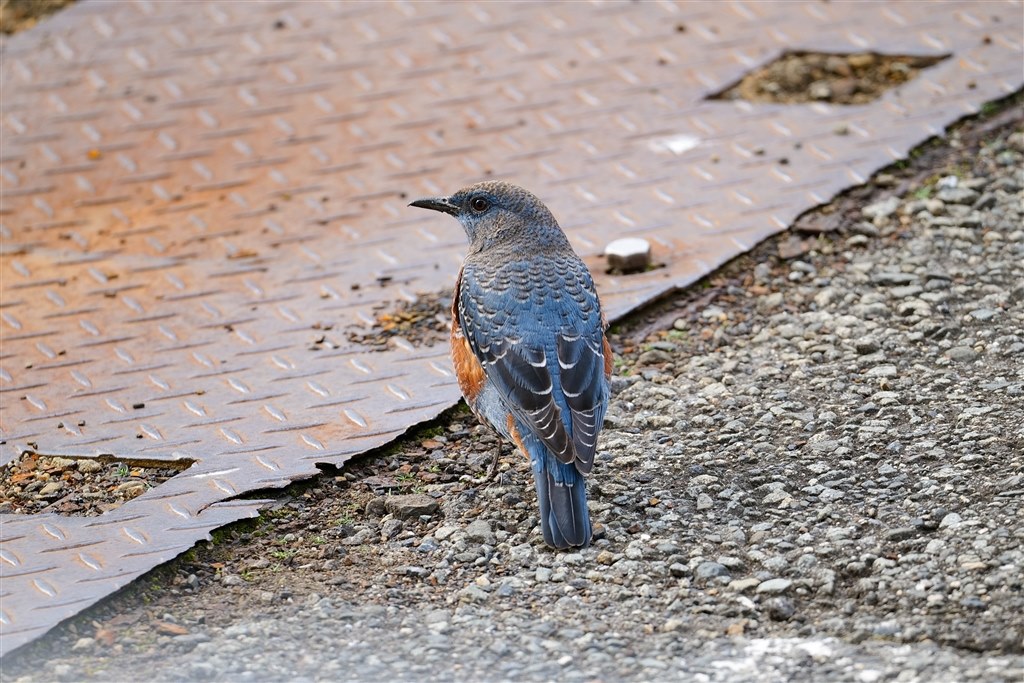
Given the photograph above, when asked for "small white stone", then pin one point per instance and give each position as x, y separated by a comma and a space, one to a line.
951, 521
89, 466
83, 644
774, 586
628, 254
51, 488
741, 585
882, 371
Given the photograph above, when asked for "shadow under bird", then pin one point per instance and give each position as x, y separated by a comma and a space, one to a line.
528, 345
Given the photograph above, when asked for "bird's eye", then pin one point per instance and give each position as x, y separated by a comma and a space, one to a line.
479, 204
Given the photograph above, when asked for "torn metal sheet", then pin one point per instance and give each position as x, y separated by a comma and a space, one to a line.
193, 193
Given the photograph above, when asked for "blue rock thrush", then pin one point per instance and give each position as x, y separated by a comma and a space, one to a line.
528, 345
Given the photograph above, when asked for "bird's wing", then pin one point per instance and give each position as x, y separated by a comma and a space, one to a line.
537, 332
584, 384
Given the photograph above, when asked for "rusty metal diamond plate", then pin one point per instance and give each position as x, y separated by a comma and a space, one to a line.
191, 192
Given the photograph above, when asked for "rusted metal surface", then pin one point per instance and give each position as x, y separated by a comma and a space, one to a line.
193, 194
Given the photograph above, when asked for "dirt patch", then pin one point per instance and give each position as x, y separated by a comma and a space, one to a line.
18, 15
424, 322
83, 487
856, 78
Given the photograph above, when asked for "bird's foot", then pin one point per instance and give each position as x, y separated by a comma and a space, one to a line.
493, 474
492, 471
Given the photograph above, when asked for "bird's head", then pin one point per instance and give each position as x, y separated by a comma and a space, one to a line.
497, 213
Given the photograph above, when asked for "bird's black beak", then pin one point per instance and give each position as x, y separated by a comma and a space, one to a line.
442, 204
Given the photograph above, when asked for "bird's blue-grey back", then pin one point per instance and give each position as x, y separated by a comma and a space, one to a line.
535, 323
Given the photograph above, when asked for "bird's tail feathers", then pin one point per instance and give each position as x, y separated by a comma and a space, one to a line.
562, 498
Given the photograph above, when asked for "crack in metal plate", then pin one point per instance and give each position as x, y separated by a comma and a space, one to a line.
190, 191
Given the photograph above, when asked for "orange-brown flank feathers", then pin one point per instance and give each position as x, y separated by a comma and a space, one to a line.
609, 362
467, 367
510, 422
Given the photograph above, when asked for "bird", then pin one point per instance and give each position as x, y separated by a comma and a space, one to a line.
528, 344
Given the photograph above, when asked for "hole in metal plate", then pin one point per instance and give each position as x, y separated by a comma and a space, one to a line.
852, 78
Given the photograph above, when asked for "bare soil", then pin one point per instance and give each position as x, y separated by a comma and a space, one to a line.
856, 78
83, 487
18, 15
423, 322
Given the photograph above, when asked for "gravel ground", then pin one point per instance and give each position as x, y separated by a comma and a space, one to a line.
812, 469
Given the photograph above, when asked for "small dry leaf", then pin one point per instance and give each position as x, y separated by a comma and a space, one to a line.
736, 628
169, 629
105, 636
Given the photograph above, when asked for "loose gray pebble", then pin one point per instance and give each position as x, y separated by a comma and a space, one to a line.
708, 570
479, 531
679, 570
882, 209
83, 644
950, 521
901, 534
893, 278
774, 586
411, 505
985, 201
962, 353
202, 671
781, 609
957, 195
741, 585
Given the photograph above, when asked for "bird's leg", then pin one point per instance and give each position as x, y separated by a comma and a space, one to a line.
492, 472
